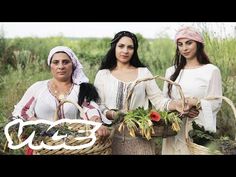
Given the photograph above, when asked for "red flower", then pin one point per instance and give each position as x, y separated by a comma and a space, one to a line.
28, 151
155, 116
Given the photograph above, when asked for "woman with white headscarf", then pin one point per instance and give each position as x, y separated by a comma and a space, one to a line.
41, 99
198, 79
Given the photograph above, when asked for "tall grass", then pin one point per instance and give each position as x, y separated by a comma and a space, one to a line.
15, 84
23, 62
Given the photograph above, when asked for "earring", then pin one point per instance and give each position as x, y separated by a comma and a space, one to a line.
179, 56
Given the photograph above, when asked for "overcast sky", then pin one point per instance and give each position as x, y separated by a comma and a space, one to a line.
108, 29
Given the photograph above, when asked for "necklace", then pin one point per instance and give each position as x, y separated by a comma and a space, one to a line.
60, 92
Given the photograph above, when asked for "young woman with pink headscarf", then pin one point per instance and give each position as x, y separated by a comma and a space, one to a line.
199, 79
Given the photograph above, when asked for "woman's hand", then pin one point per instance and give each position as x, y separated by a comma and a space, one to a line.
193, 102
190, 109
103, 130
193, 112
111, 114
177, 105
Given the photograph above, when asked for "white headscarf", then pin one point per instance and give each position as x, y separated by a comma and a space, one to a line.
78, 76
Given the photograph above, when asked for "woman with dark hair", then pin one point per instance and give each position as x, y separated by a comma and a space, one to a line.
198, 79
120, 68
69, 82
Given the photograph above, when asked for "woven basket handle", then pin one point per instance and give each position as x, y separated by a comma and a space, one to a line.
227, 100
151, 78
82, 114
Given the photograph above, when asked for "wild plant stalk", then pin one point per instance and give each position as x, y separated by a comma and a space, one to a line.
157, 54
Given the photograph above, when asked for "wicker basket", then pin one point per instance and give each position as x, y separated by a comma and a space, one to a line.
160, 130
102, 145
196, 149
163, 131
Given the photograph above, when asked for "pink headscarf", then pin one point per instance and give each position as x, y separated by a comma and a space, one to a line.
78, 76
189, 33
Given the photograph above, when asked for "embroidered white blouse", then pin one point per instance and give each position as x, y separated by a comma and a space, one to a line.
200, 82
113, 92
39, 102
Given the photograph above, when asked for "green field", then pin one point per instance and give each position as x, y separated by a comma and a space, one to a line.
23, 62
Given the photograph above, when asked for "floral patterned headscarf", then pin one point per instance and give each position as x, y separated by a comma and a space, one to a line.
189, 33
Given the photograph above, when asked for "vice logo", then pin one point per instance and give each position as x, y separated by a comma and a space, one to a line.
53, 132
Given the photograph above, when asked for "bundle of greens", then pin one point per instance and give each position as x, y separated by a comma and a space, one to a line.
201, 136
211, 140
143, 121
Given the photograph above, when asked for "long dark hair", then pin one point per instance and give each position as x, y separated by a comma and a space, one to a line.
87, 92
180, 62
109, 61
